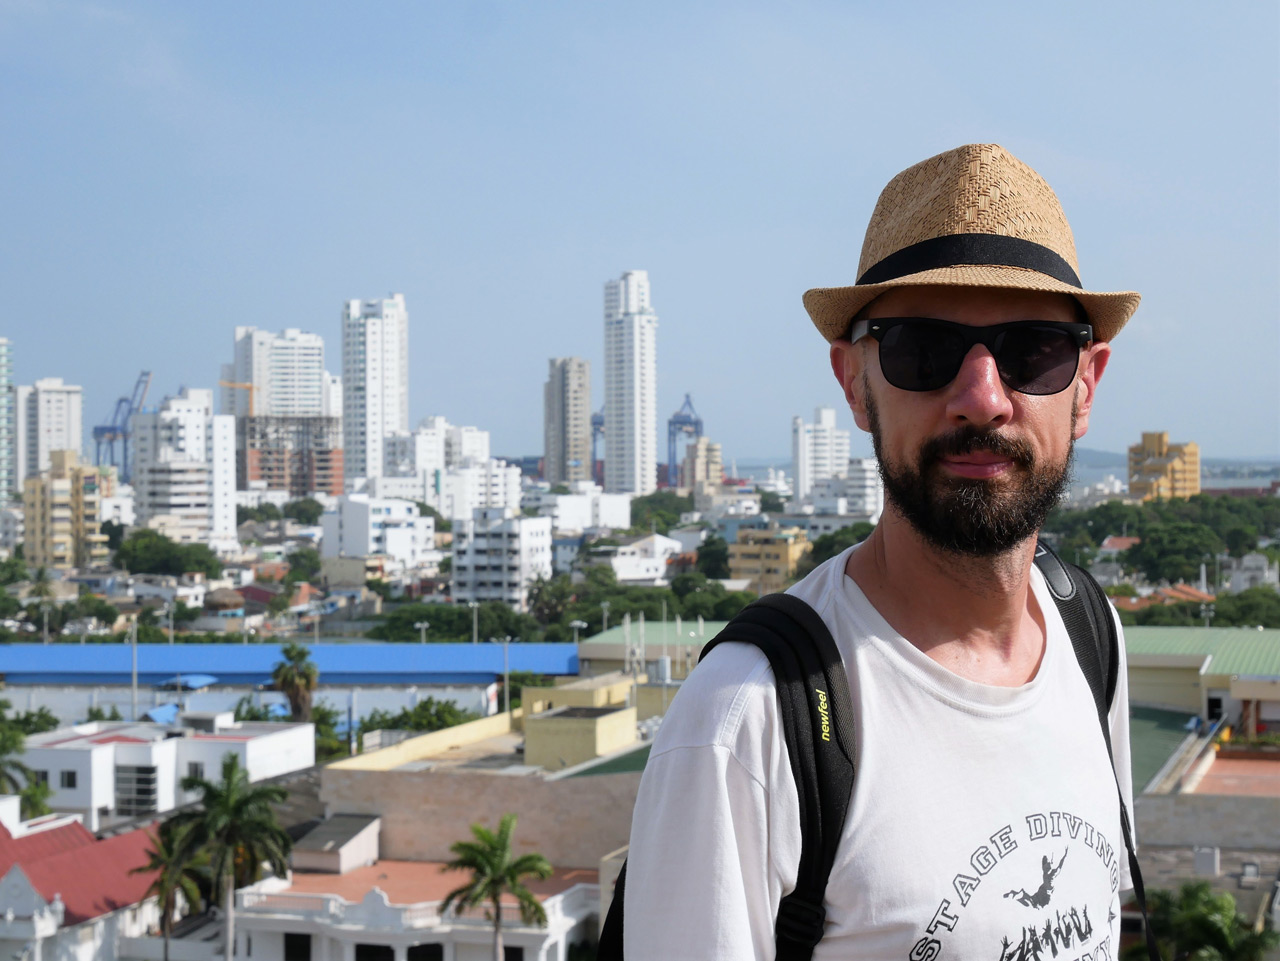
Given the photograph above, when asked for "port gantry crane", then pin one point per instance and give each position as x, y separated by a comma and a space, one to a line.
105, 436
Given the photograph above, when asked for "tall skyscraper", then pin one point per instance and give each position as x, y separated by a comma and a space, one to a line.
286, 371
566, 419
630, 385
375, 380
48, 417
818, 451
10, 479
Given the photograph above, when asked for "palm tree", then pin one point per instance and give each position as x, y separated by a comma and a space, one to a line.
296, 677
42, 590
238, 828
174, 873
1195, 923
12, 743
494, 873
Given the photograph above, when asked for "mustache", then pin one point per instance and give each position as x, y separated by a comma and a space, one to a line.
967, 440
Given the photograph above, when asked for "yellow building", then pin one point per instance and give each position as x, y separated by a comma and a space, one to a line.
1160, 470
767, 558
60, 511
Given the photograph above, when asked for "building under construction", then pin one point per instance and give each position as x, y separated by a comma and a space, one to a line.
302, 455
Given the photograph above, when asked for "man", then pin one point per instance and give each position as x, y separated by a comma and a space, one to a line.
985, 817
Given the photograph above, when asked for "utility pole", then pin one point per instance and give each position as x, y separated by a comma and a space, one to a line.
133, 635
475, 621
422, 630
604, 608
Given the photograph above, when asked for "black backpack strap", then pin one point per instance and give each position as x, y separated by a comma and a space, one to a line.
817, 723
1086, 612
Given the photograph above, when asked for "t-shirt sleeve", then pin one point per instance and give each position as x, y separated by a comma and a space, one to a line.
701, 879
1118, 717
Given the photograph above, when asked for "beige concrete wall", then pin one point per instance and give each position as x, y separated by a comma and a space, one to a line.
1208, 819
430, 745
555, 742
1256, 689
652, 700
1173, 687
573, 822
578, 694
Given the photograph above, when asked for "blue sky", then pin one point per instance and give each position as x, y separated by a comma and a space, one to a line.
173, 170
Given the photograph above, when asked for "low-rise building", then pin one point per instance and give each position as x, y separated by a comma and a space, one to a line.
638, 561
585, 507
767, 558
359, 525
107, 771
497, 554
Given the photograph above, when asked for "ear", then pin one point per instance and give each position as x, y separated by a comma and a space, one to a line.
847, 361
1094, 362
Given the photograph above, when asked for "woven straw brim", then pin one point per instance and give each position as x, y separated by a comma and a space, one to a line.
832, 308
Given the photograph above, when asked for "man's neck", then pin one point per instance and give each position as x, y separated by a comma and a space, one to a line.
976, 616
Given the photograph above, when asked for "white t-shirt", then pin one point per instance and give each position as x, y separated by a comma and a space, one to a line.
984, 824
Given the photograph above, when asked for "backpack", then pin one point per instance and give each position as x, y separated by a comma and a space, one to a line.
817, 720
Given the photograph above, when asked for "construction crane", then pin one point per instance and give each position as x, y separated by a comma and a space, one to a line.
597, 431
683, 421
117, 429
241, 385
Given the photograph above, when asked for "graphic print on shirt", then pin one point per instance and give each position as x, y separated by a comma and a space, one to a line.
1032, 865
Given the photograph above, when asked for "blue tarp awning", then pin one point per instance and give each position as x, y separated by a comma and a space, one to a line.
188, 682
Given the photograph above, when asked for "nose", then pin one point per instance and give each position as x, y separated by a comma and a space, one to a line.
977, 396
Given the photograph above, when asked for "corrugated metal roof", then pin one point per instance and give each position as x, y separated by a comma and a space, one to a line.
1234, 650
360, 663
332, 834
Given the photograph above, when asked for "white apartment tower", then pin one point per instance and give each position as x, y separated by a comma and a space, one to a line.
375, 380
184, 470
10, 479
286, 371
567, 421
630, 385
48, 416
818, 451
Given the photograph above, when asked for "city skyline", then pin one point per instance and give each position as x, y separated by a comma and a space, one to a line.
145, 230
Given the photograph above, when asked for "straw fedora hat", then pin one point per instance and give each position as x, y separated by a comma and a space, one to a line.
976, 216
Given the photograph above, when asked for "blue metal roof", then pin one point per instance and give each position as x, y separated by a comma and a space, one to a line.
239, 664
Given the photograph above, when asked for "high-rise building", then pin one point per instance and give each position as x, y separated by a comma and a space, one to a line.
60, 514
10, 479
1159, 470
630, 385
48, 417
184, 470
286, 371
301, 455
375, 380
703, 465
818, 450
566, 421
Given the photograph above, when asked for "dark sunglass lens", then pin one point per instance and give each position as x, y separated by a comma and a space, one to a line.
1037, 360
920, 355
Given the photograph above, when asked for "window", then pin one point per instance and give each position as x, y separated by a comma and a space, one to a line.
373, 952
67, 779
297, 947
425, 952
195, 769
510, 953
42, 777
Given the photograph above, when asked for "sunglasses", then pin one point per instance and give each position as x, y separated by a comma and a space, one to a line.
1032, 356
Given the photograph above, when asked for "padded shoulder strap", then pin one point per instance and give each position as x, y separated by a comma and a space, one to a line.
1086, 612
817, 722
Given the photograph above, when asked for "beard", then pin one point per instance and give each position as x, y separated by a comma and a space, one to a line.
974, 518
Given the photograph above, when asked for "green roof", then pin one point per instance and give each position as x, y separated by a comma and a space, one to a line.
1235, 650
631, 762
1153, 737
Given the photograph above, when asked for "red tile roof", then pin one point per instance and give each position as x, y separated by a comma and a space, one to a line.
91, 876
1115, 542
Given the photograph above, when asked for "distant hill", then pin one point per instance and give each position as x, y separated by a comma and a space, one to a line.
1100, 459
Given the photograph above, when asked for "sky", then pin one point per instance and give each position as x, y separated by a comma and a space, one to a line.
170, 171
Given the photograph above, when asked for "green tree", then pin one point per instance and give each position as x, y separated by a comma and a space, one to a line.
174, 875
12, 570
713, 557
549, 597
1197, 924
34, 801
1172, 551
35, 722
427, 715
304, 564
659, 511
150, 552
115, 534
263, 514
296, 678
307, 511
771, 503
246, 710
279, 604
494, 872
235, 824
14, 775
98, 714
328, 743
443, 524
1241, 539
42, 591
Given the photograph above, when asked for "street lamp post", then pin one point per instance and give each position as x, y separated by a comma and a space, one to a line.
475, 621
1207, 612
167, 608
604, 607
422, 628
576, 625
44, 611
506, 672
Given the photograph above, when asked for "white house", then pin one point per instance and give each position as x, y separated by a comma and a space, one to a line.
640, 561
497, 553
359, 526
585, 507
106, 771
